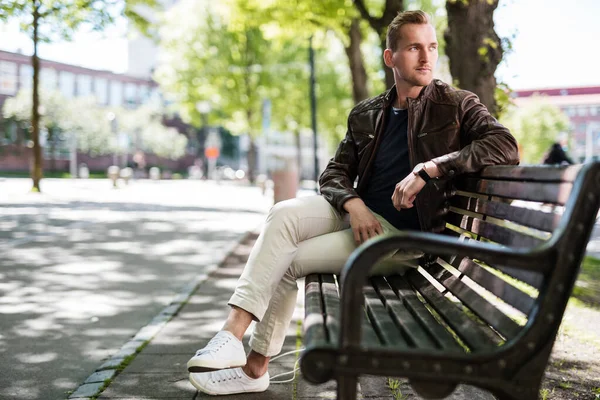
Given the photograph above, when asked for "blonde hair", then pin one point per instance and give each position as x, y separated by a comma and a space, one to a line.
404, 18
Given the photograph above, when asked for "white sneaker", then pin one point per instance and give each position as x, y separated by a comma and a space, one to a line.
228, 381
223, 351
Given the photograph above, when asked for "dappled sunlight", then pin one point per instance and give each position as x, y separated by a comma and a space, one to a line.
36, 358
76, 268
81, 278
227, 284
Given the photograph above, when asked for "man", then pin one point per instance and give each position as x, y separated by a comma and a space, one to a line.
396, 142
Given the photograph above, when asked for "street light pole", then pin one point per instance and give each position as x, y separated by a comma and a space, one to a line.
313, 109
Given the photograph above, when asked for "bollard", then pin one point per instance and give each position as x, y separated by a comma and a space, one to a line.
126, 174
154, 173
84, 172
285, 180
113, 174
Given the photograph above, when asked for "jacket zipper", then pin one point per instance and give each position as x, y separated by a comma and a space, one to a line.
411, 155
381, 122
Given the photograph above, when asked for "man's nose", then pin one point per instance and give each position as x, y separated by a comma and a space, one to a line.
424, 56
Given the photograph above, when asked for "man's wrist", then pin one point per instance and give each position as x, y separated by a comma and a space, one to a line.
429, 167
353, 204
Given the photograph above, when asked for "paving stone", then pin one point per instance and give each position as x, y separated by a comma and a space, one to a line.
111, 363
87, 390
101, 376
128, 349
156, 386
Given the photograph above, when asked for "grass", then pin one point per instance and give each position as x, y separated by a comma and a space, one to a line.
544, 393
587, 287
48, 174
394, 386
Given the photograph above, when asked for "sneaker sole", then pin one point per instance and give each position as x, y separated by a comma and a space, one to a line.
213, 366
204, 390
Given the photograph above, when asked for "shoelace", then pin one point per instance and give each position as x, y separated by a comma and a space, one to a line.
227, 374
214, 344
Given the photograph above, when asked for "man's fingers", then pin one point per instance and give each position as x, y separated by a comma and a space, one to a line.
356, 236
364, 235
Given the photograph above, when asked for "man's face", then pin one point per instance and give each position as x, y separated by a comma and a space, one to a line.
416, 55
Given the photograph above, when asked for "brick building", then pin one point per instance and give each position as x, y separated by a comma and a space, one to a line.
110, 89
582, 106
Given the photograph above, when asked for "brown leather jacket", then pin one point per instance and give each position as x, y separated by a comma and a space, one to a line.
446, 125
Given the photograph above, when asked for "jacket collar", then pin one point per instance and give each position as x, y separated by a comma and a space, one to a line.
391, 94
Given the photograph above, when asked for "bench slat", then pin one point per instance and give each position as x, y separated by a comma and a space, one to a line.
480, 306
524, 216
537, 173
407, 295
499, 234
381, 320
475, 336
529, 191
314, 328
532, 278
411, 329
496, 285
331, 301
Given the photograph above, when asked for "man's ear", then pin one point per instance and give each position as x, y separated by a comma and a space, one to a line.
387, 58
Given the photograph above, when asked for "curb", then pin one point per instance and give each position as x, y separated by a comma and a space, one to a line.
97, 382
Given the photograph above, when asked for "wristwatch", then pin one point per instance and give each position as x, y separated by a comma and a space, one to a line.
420, 171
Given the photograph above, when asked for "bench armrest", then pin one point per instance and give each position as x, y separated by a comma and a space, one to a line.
360, 262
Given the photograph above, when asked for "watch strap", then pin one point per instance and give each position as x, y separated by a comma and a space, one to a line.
424, 175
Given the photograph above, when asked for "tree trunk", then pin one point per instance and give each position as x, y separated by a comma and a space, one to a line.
52, 147
379, 25
251, 161
357, 65
36, 171
473, 47
389, 73
298, 153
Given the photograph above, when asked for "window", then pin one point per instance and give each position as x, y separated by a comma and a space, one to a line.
8, 77
582, 111
144, 93
84, 85
594, 110
66, 83
570, 111
48, 79
131, 94
101, 90
26, 76
116, 93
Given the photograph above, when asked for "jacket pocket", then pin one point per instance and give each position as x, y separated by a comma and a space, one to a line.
439, 141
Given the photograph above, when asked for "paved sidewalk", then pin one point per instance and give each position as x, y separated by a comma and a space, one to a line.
159, 370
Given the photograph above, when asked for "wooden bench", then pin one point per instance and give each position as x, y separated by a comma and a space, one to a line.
483, 310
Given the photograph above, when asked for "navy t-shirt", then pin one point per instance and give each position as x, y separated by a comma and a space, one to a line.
391, 165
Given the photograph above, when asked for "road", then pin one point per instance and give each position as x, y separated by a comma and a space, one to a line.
85, 266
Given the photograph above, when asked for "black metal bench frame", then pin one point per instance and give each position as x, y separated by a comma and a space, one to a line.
341, 344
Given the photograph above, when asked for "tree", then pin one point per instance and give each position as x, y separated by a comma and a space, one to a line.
474, 48
83, 119
218, 61
47, 20
536, 126
379, 24
305, 18
53, 115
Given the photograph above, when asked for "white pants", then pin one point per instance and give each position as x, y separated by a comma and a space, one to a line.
300, 236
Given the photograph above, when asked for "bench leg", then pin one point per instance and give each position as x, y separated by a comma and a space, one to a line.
347, 387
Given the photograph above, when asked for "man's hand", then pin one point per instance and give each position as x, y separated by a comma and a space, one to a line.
408, 188
363, 222
406, 191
